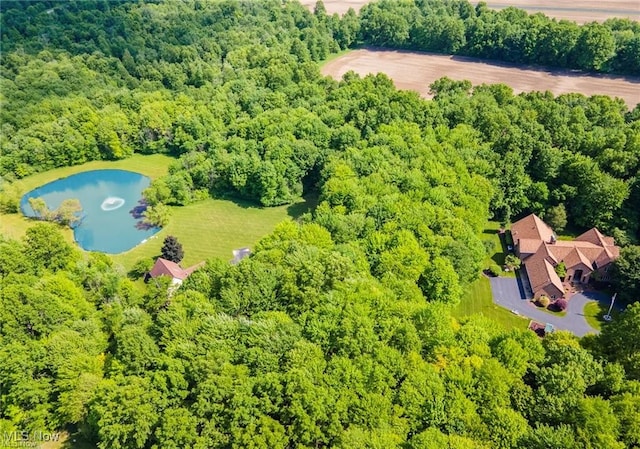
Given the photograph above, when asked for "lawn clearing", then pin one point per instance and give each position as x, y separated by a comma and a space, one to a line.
478, 300
496, 248
209, 228
593, 313
153, 166
416, 71
213, 228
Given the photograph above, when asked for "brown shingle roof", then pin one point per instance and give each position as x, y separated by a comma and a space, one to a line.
529, 246
534, 236
541, 273
592, 236
531, 227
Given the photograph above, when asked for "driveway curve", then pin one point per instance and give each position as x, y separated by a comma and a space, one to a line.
508, 293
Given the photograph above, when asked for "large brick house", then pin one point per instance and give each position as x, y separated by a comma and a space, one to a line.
587, 256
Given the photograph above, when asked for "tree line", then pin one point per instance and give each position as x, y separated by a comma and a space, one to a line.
511, 35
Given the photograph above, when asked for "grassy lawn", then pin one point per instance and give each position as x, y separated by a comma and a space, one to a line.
497, 250
478, 300
213, 228
593, 312
210, 228
153, 166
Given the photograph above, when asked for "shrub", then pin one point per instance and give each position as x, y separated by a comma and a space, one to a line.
544, 301
495, 270
561, 270
512, 262
559, 305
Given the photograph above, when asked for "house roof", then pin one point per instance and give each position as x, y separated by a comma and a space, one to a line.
531, 227
540, 251
577, 257
529, 246
164, 267
593, 236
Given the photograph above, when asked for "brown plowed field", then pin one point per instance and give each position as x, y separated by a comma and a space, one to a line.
580, 11
416, 71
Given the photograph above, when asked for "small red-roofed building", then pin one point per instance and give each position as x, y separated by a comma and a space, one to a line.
164, 267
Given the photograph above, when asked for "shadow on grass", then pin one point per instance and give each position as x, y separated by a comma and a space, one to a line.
244, 203
307, 205
498, 258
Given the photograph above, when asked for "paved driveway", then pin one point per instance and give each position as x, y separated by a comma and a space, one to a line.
508, 293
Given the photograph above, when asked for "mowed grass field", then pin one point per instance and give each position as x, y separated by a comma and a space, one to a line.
214, 228
477, 297
210, 228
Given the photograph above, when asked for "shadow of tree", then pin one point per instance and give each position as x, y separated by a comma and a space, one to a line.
307, 205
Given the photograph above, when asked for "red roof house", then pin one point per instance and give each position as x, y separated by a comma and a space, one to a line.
164, 267
540, 252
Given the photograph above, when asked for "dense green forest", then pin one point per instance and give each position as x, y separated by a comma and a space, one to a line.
337, 332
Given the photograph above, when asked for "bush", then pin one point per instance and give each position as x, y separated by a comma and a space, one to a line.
559, 305
544, 301
489, 247
512, 262
140, 268
495, 270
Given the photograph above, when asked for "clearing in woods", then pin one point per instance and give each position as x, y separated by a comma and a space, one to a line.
416, 71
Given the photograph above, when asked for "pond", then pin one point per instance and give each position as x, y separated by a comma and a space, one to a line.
111, 218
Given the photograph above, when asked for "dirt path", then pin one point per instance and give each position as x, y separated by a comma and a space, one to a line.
581, 11
416, 71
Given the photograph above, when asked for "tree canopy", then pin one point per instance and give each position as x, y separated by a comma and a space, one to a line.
338, 330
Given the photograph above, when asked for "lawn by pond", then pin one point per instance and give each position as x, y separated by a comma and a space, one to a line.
210, 228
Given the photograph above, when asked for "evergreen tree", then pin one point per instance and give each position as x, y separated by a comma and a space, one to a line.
172, 249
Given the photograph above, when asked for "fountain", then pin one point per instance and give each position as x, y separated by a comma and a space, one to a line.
112, 203
107, 224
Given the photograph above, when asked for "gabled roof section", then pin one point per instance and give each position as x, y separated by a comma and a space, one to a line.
540, 251
529, 246
531, 227
164, 267
541, 272
594, 236
576, 257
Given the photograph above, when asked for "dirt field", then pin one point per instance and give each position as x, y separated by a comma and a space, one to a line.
580, 11
416, 71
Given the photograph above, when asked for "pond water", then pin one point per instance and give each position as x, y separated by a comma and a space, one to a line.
111, 218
